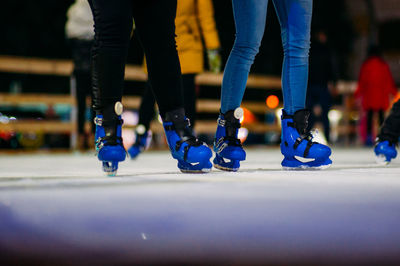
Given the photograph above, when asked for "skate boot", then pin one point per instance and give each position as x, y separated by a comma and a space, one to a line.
193, 155
227, 147
297, 147
108, 139
143, 139
385, 150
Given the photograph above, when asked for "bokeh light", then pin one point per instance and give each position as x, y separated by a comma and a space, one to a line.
248, 117
272, 101
242, 134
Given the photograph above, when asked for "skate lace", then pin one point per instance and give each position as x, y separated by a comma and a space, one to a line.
305, 135
110, 140
191, 141
186, 136
232, 141
308, 137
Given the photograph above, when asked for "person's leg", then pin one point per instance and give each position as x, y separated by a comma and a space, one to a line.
189, 97
391, 126
388, 137
142, 131
325, 102
381, 117
297, 146
112, 24
250, 17
83, 84
370, 116
311, 102
155, 27
80, 51
80, 100
295, 20
146, 109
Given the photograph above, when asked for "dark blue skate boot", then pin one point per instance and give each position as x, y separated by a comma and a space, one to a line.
108, 139
385, 150
227, 147
142, 142
193, 155
297, 147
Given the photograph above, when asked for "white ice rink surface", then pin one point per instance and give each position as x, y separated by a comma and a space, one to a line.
60, 209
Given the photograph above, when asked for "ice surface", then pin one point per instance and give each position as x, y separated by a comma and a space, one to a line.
61, 208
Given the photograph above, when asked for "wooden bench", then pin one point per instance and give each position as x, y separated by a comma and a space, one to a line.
39, 66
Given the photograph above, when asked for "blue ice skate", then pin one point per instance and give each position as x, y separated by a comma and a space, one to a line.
227, 147
193, 155
385, 151
142, 142
108, 140
297, 147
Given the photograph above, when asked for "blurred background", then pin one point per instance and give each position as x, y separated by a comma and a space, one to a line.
38, 108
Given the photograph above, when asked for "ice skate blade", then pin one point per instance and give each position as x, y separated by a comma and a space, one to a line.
202, 171
110, 168
194, 168
306, 167
111, 174
293, 164
226, 164
381, 160
219, 167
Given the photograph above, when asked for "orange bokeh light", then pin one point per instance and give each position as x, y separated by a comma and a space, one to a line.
272, 101
248, 116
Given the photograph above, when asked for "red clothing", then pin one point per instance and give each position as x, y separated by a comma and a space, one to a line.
375, 84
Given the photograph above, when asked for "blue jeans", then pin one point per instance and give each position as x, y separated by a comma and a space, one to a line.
250, 16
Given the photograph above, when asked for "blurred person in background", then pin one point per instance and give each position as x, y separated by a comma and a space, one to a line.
322, 71
155, 28
194, 22
80, 35
388, 137
297, 145
375, 86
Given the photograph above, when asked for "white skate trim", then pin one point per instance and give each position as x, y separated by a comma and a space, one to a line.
225, 168
118, 108
306, 167
222, 147
200, 171
140, 129
238, 113
304, 160
381, 159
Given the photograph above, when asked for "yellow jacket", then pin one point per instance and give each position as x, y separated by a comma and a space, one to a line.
194, 20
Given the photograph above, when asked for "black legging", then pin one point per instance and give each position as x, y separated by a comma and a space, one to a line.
318, 94
146, 110
391, 126
80, 50
155, 29
370, 115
